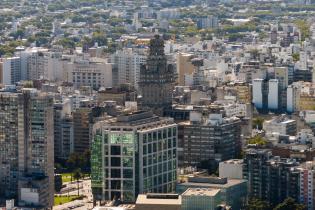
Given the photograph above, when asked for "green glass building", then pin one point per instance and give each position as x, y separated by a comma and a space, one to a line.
131, 154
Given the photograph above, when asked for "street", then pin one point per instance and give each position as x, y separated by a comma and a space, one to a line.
85, 189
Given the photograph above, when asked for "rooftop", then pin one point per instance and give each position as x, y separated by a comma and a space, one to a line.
234, 161
160, 199
201, 192
210, 183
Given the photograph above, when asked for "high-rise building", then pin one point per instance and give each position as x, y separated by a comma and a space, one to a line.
11, 122
128, 63
273, 94
207, 22
282, 75
63, 129
131, 154
259, 93
10, 70
293, 97
214, 138
269, 177
157, 78
82, 129
36, 63
307, 184
27, 147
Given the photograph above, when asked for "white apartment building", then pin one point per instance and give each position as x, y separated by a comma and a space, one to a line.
273, 94
127, 64
258, 93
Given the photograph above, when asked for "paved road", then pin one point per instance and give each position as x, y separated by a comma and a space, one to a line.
85, 189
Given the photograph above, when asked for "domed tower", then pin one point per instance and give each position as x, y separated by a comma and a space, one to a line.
157, 78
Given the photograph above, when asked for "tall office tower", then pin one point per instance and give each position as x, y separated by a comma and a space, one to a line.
10, 70
128, 62
157, 78
131, 154
213, 139
63, 129
81, 129
39, 153
11, 133
27, 147
269, 177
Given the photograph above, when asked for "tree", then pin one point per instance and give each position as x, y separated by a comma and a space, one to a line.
67, 43
256, 204
304, 28
296, 57
77, 176
257, 140
289, 203
258, 122
81, 161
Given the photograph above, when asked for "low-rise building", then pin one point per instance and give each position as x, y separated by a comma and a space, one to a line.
159, 201
233, 192
281, 124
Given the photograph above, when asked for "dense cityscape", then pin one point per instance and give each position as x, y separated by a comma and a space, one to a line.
157, 104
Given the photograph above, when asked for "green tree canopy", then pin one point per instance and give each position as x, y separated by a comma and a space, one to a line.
256, 204
257, 140
258, 122
289, 204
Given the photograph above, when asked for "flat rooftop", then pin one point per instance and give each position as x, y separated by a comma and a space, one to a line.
230, 183
201, 192
159, 199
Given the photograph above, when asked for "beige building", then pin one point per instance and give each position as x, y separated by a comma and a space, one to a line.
307, 102
184, 67
94, 72
158, 202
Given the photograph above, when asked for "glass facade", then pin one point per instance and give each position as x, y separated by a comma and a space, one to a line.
134, 158
9, 135
159, 160
119, 161
96, 165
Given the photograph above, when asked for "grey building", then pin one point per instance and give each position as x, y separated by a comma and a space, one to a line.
232, 192
270, 178
82, 118
131, 154
212, 138
26, 146
63, 130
